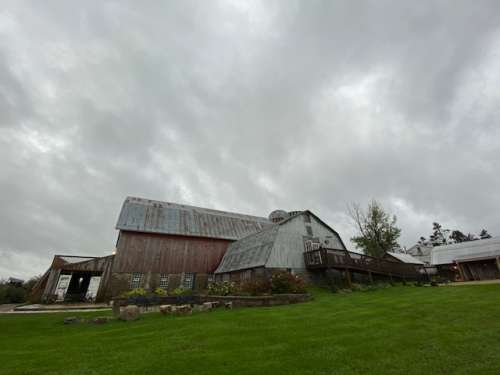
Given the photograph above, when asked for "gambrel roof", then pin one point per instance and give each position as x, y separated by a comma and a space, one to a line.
280, 246
145, 215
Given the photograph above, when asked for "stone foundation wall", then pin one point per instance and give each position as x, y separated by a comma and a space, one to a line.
237, 301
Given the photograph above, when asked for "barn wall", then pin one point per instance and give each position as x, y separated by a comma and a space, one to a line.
143, 252
120, 282
288, 250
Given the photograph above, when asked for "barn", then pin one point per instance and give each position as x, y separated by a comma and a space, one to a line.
278, 247
169, 245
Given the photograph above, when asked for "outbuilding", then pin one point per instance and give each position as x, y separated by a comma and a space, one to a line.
471, 260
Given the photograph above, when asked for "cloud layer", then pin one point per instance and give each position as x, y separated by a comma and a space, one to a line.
246, 107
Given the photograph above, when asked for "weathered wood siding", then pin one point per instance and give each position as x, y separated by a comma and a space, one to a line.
146, 252
103, 265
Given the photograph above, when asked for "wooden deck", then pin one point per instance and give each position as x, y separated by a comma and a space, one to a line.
348, 261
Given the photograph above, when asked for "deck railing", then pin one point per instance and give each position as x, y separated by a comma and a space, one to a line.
343, 259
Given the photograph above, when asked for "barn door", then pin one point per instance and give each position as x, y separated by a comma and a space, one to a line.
62, 286
93, 288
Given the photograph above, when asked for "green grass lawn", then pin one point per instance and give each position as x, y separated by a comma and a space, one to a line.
400, 330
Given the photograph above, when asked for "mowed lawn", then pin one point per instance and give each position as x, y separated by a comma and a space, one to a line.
400, 330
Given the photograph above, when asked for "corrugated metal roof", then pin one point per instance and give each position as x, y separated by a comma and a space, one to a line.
447, 254
144, 215
406, 258
249, 252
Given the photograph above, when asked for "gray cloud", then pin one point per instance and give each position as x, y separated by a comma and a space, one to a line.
245, 107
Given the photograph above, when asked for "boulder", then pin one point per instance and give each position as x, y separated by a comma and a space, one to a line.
228, 305
166, 309
129, 313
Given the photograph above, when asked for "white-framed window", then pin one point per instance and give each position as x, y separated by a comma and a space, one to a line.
188, 280
135, 280
164, 281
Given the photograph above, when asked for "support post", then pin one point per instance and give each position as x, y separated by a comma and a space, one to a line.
348, 277
461, 272
370, 276
498, 263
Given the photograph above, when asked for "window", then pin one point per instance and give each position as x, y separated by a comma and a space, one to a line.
309, 230
225, 277
246, 275
188, 280
307, 218
164, 281
135, 281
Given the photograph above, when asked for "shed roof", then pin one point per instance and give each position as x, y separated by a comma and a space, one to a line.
406, 258
447, 254
145, 215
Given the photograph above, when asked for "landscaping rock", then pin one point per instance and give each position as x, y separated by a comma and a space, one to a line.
166, 309
72, 320
182, 310
130, 313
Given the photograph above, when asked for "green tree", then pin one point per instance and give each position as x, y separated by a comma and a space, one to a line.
377, 229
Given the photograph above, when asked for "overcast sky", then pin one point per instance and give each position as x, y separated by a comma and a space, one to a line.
247, 107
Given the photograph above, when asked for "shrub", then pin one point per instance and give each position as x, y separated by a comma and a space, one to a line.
160, 292
256, 287
285, 282
182, 292
222, 289
137, 292
12, 294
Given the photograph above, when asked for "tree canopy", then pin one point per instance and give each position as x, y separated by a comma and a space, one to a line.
441, 236
377, 229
